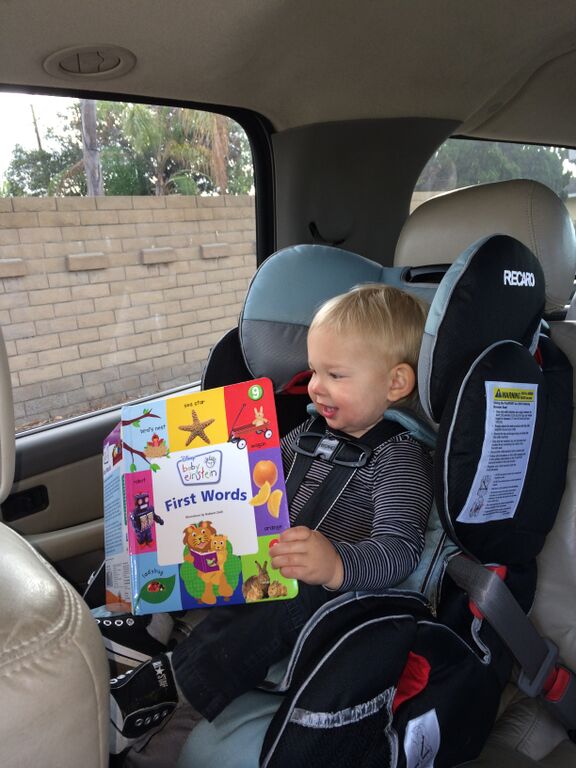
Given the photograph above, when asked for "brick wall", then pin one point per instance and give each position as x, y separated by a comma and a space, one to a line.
106, 299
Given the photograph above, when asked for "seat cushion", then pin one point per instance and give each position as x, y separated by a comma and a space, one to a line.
53, 667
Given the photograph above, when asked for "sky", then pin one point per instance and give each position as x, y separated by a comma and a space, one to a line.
16, 126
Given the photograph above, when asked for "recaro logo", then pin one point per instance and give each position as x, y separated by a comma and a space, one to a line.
514, 277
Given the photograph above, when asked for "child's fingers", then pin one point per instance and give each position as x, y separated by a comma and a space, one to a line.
293, 572
282, 559
302, 562
288, 548
298, 533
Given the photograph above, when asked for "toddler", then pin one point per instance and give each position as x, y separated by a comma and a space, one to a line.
363, 349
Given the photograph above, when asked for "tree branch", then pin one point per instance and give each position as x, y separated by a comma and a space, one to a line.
139, 418
135, 451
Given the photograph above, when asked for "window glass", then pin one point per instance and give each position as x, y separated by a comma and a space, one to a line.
466, 162
127, 241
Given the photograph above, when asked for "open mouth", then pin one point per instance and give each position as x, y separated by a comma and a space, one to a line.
327, 411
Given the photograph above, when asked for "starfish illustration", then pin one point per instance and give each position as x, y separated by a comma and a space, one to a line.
197, 428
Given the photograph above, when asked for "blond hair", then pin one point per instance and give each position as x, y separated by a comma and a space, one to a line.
390, 319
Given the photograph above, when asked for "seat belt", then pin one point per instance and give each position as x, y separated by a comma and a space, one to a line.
541, 674
346, 454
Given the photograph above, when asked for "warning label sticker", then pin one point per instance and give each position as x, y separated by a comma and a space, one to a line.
514, 394
509, 429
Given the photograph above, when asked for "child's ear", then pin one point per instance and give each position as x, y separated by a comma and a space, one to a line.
402, 382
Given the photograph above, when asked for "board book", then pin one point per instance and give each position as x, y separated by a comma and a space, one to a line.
194, 497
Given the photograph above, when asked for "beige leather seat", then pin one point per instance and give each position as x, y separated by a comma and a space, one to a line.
53, 667
436, 233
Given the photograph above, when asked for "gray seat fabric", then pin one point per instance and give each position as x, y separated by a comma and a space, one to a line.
53, 667
7, 428
571, 311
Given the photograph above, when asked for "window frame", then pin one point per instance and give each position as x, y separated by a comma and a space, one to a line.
80, 437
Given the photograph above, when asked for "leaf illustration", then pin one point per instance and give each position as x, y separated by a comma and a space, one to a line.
154, 467
157, 590
132, 467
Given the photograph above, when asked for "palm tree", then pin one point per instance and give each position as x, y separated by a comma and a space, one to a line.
182, 145
90, 148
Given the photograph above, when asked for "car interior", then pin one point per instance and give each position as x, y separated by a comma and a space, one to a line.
343, 105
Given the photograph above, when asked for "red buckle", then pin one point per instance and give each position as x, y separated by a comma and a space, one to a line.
538, 357
556, 684
298, 384
413, 680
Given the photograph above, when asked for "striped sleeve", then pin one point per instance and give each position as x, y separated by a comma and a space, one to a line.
401, 494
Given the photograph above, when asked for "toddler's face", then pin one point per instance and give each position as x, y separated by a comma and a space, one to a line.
350, 386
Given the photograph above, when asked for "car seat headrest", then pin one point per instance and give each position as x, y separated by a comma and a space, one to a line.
441, 228
493, 292
284, 295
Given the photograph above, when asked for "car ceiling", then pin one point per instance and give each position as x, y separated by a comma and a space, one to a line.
501, 68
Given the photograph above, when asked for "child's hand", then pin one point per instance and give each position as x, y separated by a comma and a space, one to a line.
308, 556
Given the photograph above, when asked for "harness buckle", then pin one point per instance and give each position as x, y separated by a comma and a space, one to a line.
533, 687
559, 696
335, 450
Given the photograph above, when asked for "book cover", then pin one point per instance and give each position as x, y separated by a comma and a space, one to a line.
194, 496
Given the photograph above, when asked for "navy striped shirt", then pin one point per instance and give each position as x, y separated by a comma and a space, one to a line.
378, 523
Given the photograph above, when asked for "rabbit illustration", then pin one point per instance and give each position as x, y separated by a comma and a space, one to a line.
256, 587
259, 417
277, 589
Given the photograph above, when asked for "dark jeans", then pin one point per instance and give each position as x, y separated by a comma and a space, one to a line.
230, 652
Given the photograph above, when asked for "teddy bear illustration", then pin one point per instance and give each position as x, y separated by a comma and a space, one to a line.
218, 543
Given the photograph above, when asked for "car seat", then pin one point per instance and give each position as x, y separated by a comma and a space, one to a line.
270, 339
53, 667
374, 273
525, 733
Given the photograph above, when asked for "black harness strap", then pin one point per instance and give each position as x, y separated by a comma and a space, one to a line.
346, 454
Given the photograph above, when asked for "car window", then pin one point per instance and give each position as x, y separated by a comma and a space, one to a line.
465, 162
127, 241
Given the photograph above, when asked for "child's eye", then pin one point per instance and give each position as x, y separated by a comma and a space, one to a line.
335, 375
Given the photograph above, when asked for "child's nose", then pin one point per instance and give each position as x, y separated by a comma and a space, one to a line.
315, 385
